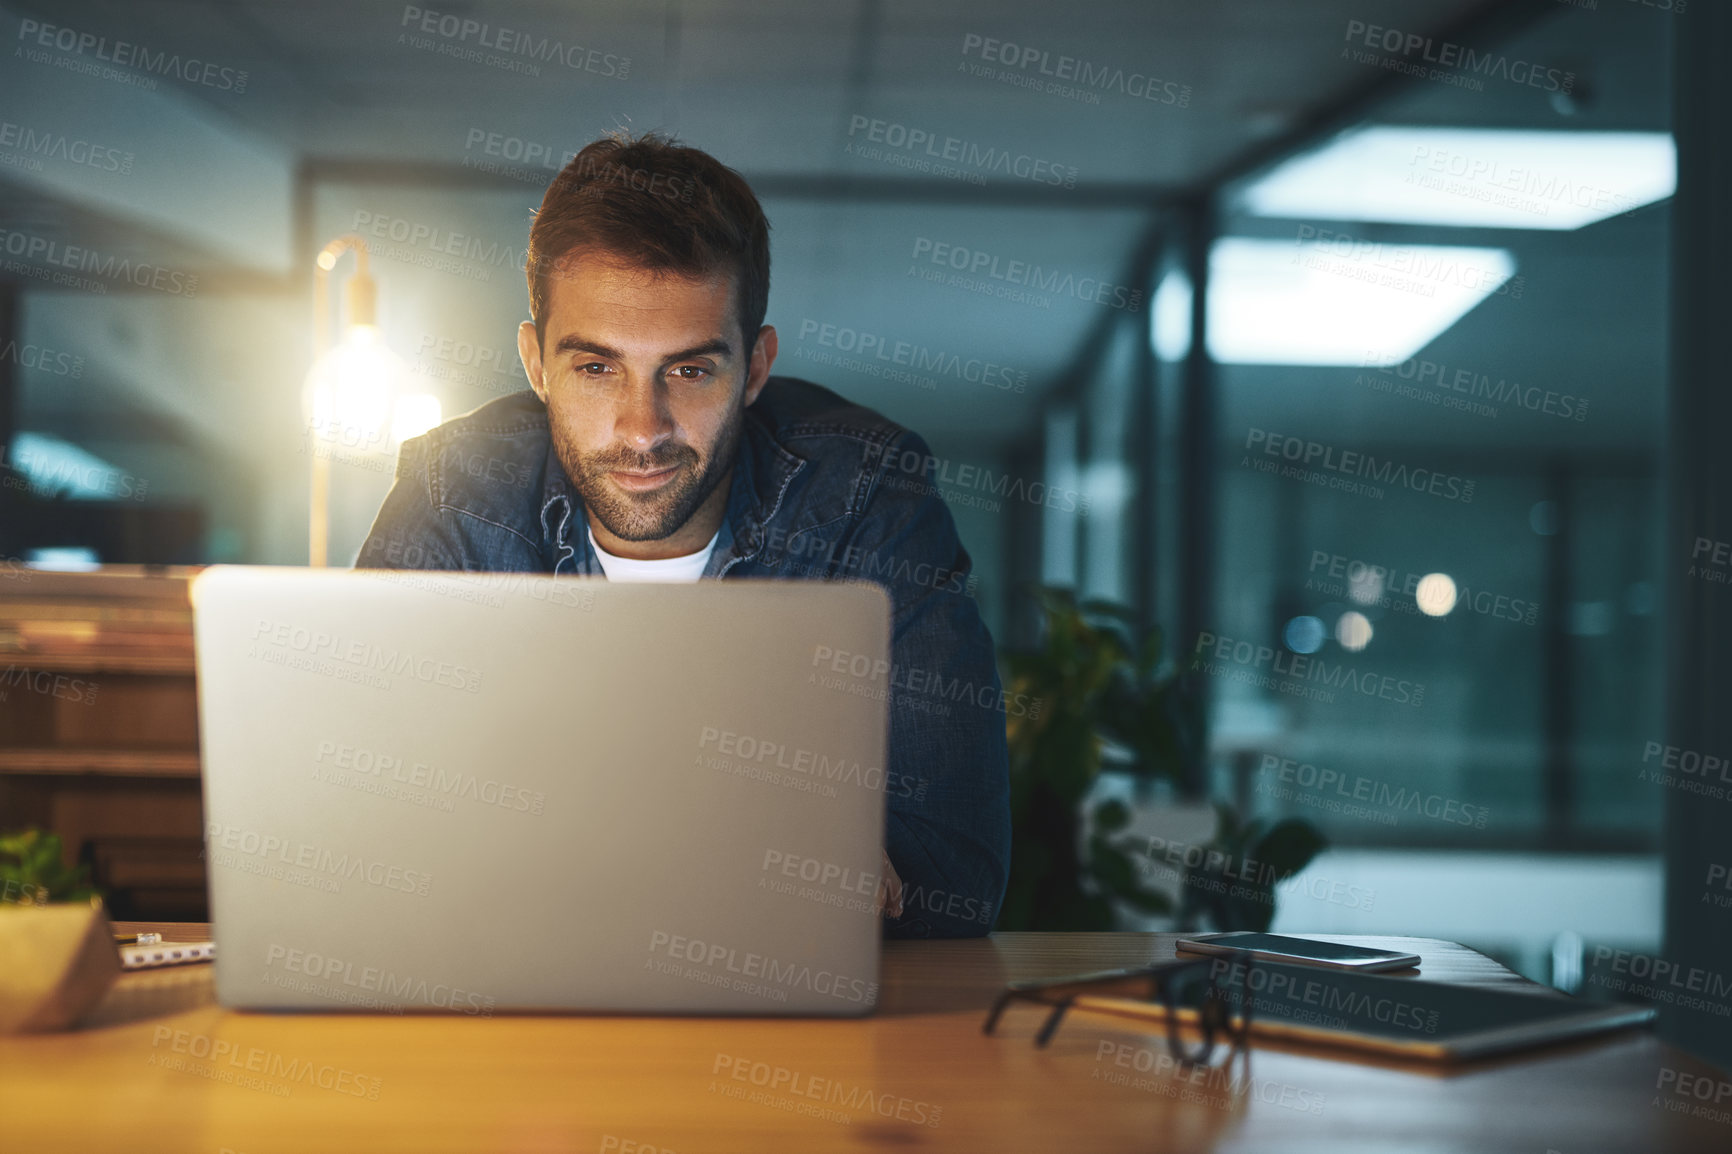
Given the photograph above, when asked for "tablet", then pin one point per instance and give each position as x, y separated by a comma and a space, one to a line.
1406, 1016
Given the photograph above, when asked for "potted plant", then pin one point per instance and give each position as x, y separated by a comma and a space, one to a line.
1233, 885
1108, 701
57, 954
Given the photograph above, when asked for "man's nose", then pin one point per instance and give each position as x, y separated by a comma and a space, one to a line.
644, 420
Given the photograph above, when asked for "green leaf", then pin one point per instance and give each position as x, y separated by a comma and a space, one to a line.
1151, 902
1111, 866
1248, 913
1227, 824
1112, 816
1095, 677
1149, 660
1290, 846
39, 867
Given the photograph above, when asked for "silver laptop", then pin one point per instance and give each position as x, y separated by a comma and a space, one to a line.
476, 793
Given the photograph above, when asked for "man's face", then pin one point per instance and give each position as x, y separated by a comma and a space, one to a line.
645, 381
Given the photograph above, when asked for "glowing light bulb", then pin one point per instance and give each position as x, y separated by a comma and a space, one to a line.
350, 391
415, 414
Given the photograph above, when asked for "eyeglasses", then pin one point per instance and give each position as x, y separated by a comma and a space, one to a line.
1201, 993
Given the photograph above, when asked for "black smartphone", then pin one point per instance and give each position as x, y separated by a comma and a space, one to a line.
1303, 951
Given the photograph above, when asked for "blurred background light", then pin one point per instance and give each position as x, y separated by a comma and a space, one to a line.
1436, 594
63, 559
1365, 585
351, 389
1590, 618
56, 468
1353, 631
1327, 299
1471, 177
1172, 317
1304, 634
415, 414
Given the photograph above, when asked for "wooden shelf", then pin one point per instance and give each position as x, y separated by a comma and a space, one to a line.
135, 585
115, 775
170, 663
120, 620
104, 762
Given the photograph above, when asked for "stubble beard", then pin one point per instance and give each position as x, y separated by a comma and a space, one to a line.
660, 514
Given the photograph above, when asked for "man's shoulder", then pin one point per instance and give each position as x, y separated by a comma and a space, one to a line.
849, 456
795, 410
496, 449
512, 415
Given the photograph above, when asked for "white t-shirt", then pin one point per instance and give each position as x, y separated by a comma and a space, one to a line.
670, 569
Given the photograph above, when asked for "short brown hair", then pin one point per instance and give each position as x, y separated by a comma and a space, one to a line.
660, 206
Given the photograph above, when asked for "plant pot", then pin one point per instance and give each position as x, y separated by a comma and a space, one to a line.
56, 962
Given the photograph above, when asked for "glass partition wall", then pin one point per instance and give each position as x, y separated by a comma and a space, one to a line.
1428, 618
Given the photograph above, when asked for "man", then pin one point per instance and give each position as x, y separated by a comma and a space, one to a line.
655, 446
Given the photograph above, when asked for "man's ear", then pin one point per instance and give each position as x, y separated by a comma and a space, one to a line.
763, 358
529, 352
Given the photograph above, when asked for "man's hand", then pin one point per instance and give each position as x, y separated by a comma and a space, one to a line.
889, 891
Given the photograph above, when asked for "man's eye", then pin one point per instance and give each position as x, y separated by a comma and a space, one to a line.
593, 369
691, 372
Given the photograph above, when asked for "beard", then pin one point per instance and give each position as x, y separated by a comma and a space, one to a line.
655, 515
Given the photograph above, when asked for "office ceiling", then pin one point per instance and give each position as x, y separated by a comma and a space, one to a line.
767, 85
774, 89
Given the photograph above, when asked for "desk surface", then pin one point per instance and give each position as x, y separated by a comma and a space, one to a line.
159, 1066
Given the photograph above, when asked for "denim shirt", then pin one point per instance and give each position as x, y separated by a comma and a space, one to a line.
822, 489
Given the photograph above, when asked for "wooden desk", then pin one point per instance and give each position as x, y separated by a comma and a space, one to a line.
597, 1083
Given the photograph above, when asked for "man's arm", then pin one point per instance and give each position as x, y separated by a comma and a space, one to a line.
948, 824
